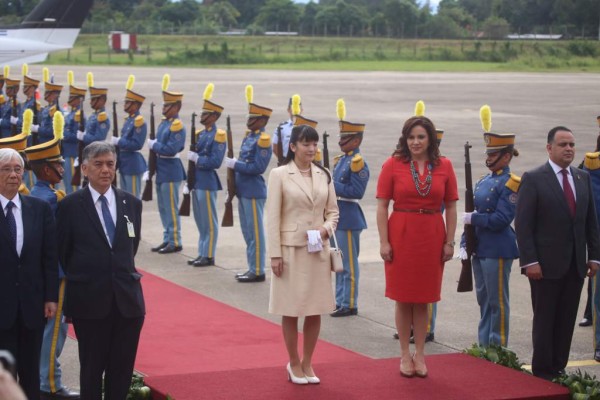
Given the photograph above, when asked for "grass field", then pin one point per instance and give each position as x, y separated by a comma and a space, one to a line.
333, 53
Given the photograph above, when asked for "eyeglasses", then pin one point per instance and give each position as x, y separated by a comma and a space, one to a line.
8, 170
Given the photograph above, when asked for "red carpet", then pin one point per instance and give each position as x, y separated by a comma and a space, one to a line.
451, 376
186, 332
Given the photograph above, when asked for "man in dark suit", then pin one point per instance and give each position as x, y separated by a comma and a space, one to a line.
99, 232
28, 272
555, 224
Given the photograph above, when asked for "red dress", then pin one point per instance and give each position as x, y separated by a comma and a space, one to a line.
415, 273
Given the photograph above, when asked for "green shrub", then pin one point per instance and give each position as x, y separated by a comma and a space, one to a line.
498, 355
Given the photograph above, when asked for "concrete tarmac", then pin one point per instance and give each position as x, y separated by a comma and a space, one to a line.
527, 104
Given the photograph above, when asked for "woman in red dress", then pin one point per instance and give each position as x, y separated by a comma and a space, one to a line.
414, 241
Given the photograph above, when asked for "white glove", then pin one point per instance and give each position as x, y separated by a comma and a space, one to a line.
35, 128
76, 163
192, 156
186, 190
146, 176
462, 253
151, 143
230, 162
467, 218
115, 140
14, 120
315, 243
80, 135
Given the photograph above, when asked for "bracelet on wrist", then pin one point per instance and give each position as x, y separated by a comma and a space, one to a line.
451, 244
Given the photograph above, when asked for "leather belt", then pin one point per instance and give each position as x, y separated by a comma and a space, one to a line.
175, 156
347, 199
417, 211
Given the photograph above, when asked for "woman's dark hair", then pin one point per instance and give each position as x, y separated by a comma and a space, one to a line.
303, 133
403, 152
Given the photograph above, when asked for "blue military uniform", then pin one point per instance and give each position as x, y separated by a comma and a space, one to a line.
5, 114
170, 140
96, 127
286, 132
350, 178
70, 147
29, 104
131, 162
46, 130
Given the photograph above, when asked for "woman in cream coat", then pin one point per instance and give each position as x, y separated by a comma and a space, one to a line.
300, 198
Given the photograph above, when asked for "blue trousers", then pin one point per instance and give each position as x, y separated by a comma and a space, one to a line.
346, 282
55, 334
431, 316
251, 220
204, 204
68, 175
491, 287
132, 184
167, 197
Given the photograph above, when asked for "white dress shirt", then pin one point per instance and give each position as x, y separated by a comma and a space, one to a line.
112, 207
17, 211
557, 172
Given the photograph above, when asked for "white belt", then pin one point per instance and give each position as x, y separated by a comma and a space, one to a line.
348, 200
175, 156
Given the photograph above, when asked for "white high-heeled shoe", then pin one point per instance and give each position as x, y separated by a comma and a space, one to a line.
314, 380
296, 379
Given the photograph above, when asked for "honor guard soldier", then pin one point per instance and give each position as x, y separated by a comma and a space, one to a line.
133, 136
9, 120
45, 129
208, 156
283, 132
70, 143
47, 163
251, 189
30, 86
98, 123
169, 142
18, 143
350, 177
495, 199
3, 74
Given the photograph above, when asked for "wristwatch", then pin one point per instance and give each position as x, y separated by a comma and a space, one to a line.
451, 244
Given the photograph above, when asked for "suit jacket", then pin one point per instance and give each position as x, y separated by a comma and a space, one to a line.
546, 232
28, 281
293, 207
96, 273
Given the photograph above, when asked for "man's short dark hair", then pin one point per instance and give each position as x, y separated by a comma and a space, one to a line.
96, 149
553, 131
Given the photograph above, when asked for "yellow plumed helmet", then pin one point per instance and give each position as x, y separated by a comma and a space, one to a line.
419, 108
6, 71
165, 82
341, 109
296, 104
130, 82
70, 78
58, 124
25, 69
46, 74
208, 91
485, 115
249, 93
27, 119
90, 79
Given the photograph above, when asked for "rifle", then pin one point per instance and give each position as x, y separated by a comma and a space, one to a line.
35, 139
325, 150
279, 147
465, 281
116, 134
228, 215
76, 179
147, 195
184, 209
14, 113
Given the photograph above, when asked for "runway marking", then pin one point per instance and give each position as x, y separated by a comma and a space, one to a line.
576, 363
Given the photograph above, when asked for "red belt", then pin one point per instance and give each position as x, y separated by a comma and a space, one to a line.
417, 211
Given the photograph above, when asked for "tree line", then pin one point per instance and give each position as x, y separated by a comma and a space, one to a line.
379, 18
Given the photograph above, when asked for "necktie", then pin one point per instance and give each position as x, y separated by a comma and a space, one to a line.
108, 221
569, 196
12, 224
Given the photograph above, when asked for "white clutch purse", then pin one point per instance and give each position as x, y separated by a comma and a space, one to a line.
336, 256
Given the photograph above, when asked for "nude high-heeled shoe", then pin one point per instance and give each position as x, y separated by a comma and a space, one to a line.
407, 371
420, 368
295, 379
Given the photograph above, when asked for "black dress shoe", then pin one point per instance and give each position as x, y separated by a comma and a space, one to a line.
344, 312
250, 277
396, 336
193, 260
63, 393
585, 322
170, 249
597, 355
204, 262
160, 246
241, 274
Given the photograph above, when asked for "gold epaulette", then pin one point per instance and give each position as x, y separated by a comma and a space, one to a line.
77, 117
592, 161
139, 121
102, 117
60, 194
513, 182
176, 125
357, 164
2, 99
264, 140
221, 136
336, 159
52, 111
319, 156
23, 190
